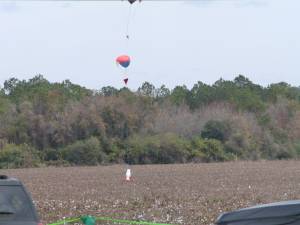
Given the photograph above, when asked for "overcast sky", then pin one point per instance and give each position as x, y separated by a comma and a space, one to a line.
171, 42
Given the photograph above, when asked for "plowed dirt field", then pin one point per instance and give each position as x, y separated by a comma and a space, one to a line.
176, 194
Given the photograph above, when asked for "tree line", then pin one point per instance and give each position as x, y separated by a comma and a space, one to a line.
61, 123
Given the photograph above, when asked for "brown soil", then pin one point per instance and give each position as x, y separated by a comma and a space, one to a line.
175, 194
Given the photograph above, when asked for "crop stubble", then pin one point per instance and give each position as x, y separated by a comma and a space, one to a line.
176, 194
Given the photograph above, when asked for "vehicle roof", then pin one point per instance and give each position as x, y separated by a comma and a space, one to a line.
287, 211
9, 181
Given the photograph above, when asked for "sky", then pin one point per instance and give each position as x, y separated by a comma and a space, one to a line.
171, 42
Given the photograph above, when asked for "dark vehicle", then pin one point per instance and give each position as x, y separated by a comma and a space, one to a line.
16, 206
280, 213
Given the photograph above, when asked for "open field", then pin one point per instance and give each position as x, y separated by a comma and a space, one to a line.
177, 194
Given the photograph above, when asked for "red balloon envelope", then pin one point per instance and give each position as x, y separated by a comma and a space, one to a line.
123, 60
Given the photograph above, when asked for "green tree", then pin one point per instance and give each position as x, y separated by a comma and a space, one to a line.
162, 92
109, 91
214, 129
179, 95
86, 152
210, 150
147, 89
200, 94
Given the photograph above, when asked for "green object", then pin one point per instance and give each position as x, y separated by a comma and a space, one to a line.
66, 221
88, 220
129, 221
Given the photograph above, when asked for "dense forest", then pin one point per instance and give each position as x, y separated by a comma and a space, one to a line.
44, 123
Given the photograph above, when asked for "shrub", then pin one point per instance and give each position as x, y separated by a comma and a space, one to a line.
18, 156
210, 150
296, 147
117, 153
165, 148
238, 145
52, 155
85, 152
219, 130
58, 163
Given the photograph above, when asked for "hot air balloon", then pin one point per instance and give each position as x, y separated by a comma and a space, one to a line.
123, 60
